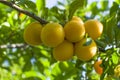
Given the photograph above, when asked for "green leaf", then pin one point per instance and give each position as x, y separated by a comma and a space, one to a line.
105, 65
70, 73
64, 66
30, 5
30, 74
104, 4
88, 42
94, 9
58, 15
110, 28
117, 36
27, 66
74, 6
114, 8
115, 58
40, 4
45, 13
117, 1
56, 70
40, 66
11, 18
60, 3
45, 62
55, 9
101, 44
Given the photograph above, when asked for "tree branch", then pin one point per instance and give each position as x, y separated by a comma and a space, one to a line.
12, 5
18, 45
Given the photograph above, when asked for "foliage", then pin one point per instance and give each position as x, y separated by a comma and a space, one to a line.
20, 61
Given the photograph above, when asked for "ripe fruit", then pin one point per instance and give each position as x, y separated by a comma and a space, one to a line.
85, 52
77, 19
94, 28
97, 67
21, 15
32, 34
74, 30
52, 34
117, 71
64, 51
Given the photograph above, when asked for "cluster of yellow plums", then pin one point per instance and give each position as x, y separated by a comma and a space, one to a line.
68, 40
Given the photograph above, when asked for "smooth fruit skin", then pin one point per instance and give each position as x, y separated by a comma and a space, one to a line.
94, 28
97, 67
76, 18
74, 31
52, 34
32, 34
64, 51
117, 71
85, 53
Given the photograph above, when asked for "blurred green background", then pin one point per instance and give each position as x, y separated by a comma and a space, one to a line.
20, 61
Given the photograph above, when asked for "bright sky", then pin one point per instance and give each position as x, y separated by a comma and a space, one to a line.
51, 3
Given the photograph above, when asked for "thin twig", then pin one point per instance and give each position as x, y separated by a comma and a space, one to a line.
14, 6
18, 45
